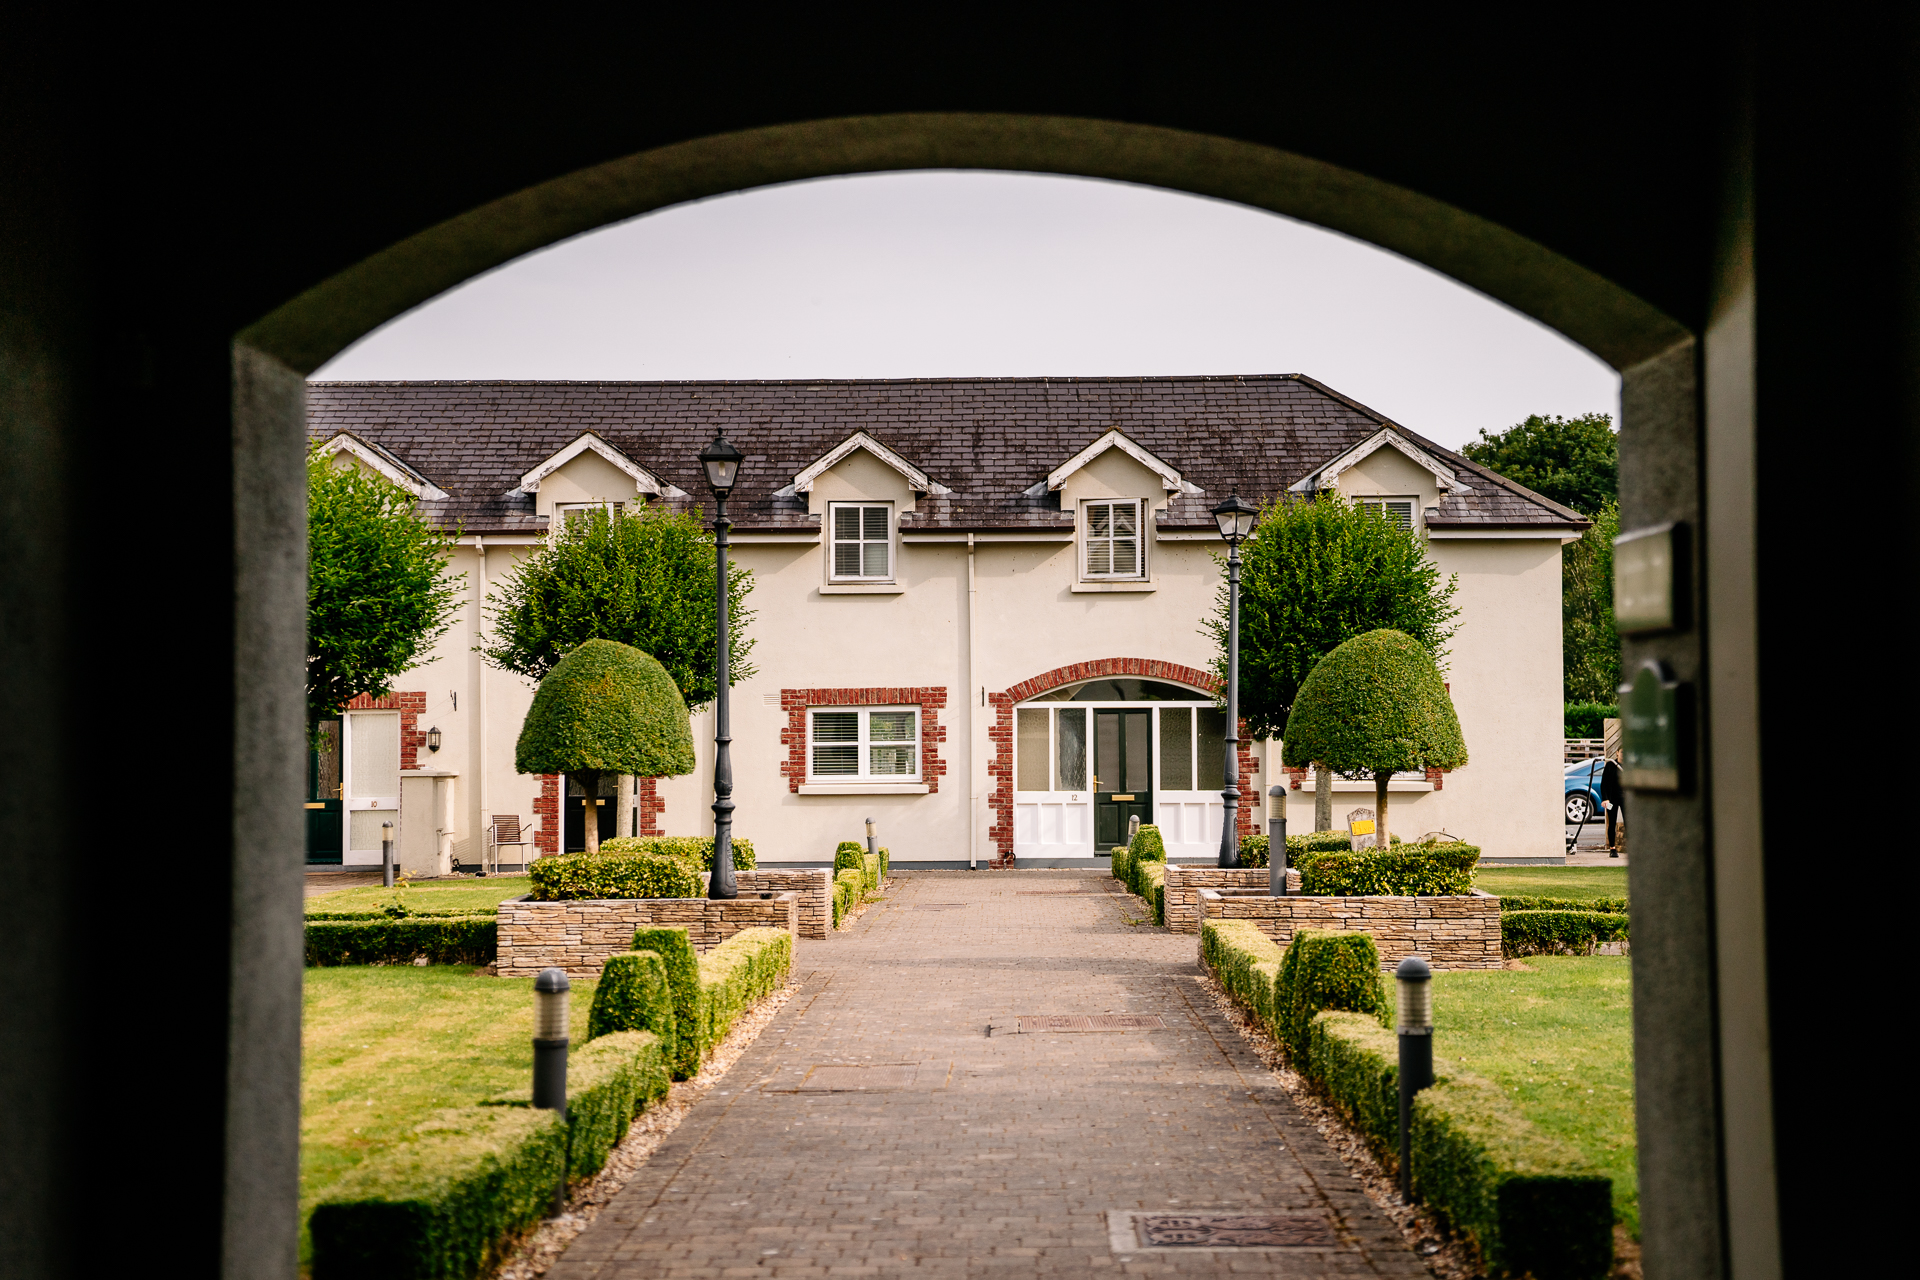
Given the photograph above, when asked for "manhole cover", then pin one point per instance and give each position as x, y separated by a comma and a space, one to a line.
1030, 1023
1234, 1231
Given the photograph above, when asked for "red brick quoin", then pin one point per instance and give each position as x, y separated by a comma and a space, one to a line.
546, 840
410, 706
929, 698
651, 805
1000, 769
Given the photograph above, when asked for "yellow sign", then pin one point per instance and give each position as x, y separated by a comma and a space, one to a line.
1364, 827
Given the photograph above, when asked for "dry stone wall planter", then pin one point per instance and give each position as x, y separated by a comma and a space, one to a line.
1184, 883
1449, 933
578, 936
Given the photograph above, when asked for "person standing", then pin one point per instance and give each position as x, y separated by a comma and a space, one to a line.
1613, 799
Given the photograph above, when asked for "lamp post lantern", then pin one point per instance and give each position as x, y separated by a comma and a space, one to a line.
722, 464
1414, 979
1235, 517
386, 855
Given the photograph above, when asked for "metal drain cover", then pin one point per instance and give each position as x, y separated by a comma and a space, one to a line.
1233, 1231
1030, 1023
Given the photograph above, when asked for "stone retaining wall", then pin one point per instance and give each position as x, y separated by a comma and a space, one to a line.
1184, 883
813, 884
579, 936
1451, 933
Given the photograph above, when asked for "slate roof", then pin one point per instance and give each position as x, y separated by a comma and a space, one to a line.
988, 439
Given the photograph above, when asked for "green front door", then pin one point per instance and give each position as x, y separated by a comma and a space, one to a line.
1122, 773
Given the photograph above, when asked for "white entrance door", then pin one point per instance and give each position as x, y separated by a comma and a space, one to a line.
371, 776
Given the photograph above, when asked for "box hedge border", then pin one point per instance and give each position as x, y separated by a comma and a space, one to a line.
1522, 1196
1539, 933
471, 940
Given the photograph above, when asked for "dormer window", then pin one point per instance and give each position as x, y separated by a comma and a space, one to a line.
1398, 511
576, 513
1112, 546
862, 541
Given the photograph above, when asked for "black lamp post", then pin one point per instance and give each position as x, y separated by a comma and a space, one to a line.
722, 462
1235, 518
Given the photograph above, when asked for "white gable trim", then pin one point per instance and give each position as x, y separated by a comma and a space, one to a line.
917, 479
1324, 476
644, 481
384, 463
1114, 440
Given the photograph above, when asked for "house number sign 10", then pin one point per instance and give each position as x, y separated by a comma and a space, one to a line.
1656, 731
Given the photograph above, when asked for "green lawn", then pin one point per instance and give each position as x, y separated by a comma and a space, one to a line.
1559, 1040
451, 895
1553, 882
383, 1046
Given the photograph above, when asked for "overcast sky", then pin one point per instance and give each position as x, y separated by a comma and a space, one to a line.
992, 274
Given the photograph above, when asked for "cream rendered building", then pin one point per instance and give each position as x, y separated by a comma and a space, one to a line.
979, 609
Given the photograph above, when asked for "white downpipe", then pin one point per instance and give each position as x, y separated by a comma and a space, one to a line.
480, 699
973, 722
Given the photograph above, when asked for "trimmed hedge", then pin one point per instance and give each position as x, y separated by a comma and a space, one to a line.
1153, 887
709, 991
1536, 933
399, 911
738, 973
1521, 1195
633, 995
617, 875
1324, 842
438, 1206
609, 1081
1147, 844
848, 856
1583, 719
1123, 865
870, 871
1519, 902
683, 984
456, 940
886, 864
849, 886
697, 850
1325, 969
1422, 870
1254, 850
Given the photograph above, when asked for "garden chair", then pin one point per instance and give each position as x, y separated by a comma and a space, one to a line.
504, 831
1362, 832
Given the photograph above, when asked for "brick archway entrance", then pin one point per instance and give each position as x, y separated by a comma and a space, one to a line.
1000, 799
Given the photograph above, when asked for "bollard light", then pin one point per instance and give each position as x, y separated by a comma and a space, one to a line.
386, 854
550, 1055
1277, 842
873, 845
1414, 1022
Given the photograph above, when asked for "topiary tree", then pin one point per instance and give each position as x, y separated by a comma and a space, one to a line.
1376, 704
607, 707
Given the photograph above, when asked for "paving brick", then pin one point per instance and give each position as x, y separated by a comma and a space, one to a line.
1007, 1152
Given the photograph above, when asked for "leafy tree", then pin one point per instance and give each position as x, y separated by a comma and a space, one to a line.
605, 707
378, 591
1318, 573
1574, 461
1589, 646
1376, 705
645, 579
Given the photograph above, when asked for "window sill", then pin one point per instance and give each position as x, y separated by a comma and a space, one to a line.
863, 589
863, 788
1135, 586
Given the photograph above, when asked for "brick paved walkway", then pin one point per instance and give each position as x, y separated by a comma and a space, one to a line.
975, 1149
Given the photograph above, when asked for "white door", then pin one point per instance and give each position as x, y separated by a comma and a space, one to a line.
370, 773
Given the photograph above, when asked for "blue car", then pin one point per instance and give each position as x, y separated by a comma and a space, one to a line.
1583, 791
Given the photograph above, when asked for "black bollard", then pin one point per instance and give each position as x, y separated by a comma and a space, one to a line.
550, 1056
1415, 1025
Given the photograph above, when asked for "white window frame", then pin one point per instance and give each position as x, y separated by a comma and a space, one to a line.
835, 542
864, 744
1382, 499
1140, 515
563, 511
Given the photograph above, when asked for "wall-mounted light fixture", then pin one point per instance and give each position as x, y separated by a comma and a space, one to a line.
433, 739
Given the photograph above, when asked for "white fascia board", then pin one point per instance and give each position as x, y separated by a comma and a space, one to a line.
1324, 476
1530, 535
385, 464
917, 480
644, 481
1114, 440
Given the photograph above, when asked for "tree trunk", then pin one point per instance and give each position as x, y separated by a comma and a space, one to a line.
623, 818
589, 780
1322, 798
1380, 777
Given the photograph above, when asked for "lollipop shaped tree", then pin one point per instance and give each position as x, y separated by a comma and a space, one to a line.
1376, 704
606, 707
